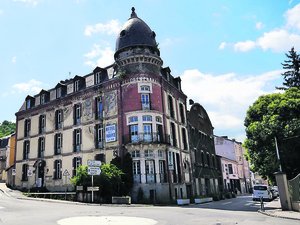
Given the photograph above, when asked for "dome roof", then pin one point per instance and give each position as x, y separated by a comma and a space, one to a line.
135, 32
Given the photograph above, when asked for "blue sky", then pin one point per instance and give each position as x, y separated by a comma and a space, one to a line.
227, 52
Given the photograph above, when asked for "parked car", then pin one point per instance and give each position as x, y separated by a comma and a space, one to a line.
274, 191
262, 192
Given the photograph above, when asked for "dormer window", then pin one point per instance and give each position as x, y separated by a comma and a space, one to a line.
28, 104
97, 78
43, 99
58, 92
76, 85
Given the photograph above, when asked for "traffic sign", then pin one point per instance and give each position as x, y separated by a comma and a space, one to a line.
93, 163
66, 173
92, 188
29, 172
94, 171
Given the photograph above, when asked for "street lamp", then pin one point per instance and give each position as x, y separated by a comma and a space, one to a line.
278, 157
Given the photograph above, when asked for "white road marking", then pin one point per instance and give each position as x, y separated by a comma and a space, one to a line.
226, 203
1, 207
106, 220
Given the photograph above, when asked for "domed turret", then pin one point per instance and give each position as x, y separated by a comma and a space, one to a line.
135, 32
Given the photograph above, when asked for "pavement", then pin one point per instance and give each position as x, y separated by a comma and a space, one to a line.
272, 208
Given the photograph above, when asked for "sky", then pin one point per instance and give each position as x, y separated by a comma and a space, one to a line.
227, 52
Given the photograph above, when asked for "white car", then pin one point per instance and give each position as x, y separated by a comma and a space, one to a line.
261, 191
275, 192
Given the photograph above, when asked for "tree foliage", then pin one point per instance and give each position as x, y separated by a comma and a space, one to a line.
292, 73
7, 128
274, 115
109, 181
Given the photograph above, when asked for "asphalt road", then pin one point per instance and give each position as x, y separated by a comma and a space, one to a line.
227, 212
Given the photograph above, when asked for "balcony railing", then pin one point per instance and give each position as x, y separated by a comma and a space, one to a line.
146, 138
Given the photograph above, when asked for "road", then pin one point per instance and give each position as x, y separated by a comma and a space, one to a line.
227, 212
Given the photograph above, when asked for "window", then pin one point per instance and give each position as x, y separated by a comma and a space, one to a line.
147, 132
158, 119
77, 114
58, 92
181, 109
77, 139
145, 98
147, 118
134, 133
58, 119
27, 128
42, 124
136, 169
41, 147
171, 107
162, 171
24, 172
28, 104
208, 159
230, 170
57, 170
77, 161
202, 158
76, 85
99, 108
150, 171
97, 78
133, 119
43, 99
99, 136
173, 135
145, 88
184, 140
160, 154
57, 143
26, 150
135, 154
148, 153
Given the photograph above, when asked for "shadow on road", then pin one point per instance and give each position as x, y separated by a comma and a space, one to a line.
241, 203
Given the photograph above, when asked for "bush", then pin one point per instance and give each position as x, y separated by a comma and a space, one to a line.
228, 195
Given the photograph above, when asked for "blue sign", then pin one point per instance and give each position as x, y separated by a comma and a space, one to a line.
110, 133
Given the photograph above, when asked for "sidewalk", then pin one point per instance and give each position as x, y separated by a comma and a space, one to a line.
274, 209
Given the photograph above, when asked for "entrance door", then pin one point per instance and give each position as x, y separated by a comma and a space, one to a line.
40, 174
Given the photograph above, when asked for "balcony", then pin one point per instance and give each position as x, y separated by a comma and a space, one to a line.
146, 138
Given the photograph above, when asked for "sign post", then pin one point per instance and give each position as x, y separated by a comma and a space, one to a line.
66, 174
93, 169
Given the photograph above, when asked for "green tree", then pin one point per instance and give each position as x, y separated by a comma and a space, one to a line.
7, 128
109, 181
292, 73
274, 115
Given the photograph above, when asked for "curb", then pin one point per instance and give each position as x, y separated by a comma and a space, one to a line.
277, 216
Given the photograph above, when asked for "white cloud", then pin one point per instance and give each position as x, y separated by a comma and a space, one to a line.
259, 25
110, 28
226, 97
293, 17
222, 45
99, 56
29, 2
244, 46
14, 59
279, 39
30, 87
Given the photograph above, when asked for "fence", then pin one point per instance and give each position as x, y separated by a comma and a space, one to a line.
294, 188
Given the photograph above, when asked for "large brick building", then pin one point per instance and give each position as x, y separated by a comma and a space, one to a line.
134, 105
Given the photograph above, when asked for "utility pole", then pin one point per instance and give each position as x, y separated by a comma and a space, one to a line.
277, 152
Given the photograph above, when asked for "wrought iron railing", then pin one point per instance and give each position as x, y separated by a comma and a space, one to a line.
146, 138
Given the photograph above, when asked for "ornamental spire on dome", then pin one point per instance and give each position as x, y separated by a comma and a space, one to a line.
133, 14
